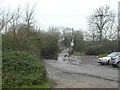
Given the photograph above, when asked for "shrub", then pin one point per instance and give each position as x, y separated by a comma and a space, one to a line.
43, 44
119, 45
20, 68
49, 46
110, 46
95, 50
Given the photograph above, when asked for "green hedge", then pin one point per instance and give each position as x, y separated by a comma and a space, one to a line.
95, 50
20, 68
106, 46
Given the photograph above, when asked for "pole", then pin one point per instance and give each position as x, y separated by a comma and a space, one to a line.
118, 26
72, 42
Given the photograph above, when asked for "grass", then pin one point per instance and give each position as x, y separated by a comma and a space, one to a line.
76, 53
46, 85
116, 68
102, 55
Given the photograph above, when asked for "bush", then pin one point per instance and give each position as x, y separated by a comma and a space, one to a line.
49, 46
20, 68
43, 44
105, 47
119, 45
79, 43
110, 46
95, 50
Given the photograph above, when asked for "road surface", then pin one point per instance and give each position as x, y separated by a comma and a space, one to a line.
81, 72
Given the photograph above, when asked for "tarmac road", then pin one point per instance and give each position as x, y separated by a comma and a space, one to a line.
86, 73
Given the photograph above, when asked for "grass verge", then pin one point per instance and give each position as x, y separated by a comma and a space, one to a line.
76, 53
46, 85
102, 55
49, 84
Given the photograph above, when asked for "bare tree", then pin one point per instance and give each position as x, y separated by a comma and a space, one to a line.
110, 31
100, 19
15, 20
4, 20
2, 23
29, 15
54, 30
91, 34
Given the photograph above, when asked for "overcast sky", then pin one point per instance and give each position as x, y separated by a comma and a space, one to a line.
68, 13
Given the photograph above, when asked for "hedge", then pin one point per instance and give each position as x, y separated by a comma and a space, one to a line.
20, 68
95, 50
